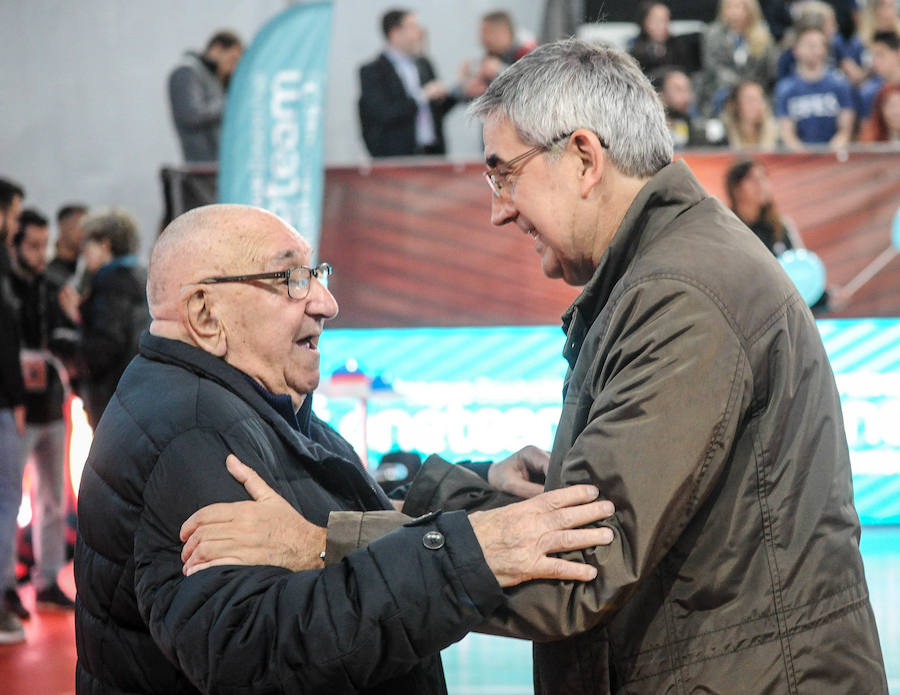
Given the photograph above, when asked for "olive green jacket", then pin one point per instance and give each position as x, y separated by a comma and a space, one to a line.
699, 399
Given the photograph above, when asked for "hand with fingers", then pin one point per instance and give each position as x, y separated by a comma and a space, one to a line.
517, 540
265, 531
517, 475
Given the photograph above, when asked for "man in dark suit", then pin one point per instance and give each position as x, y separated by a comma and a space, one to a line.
402, 103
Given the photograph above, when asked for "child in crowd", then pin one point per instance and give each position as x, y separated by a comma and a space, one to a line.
814, 105
845, 54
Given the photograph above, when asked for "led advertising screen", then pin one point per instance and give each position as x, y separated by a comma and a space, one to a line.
483, 393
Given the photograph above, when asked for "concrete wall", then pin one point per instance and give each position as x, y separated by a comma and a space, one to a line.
83, 107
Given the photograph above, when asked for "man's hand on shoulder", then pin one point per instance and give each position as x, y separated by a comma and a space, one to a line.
522, 474
517, 540
265, 531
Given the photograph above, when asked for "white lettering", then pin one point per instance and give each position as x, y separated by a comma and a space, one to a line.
285, 181
814, 105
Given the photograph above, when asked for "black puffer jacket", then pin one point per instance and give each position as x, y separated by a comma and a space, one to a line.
112, 318
12, 390
367, 624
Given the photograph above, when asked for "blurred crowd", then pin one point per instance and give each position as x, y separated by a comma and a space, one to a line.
824, 75
734, 84
402, 101
785, 75
70, 326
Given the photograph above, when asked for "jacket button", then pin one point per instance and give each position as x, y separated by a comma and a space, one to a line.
433, 540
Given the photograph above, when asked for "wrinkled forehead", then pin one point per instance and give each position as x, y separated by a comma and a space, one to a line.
283, 245
288, 257
259, 240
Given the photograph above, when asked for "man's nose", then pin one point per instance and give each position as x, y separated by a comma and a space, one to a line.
502, 210
321, 301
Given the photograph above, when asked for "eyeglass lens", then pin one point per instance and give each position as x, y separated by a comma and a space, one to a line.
299, 279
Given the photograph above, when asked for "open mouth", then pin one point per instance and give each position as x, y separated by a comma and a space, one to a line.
308, 343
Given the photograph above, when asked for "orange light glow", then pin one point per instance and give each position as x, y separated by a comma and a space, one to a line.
79, 441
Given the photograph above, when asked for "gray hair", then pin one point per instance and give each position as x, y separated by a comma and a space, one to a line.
570, 84
115, 225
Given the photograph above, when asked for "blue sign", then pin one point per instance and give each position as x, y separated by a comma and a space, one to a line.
272, 141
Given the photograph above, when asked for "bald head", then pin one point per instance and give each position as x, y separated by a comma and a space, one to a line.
203, 242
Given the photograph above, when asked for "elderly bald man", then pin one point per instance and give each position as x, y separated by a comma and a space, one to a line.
228, 366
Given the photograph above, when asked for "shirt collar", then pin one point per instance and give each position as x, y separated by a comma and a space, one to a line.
396, 56
283, 405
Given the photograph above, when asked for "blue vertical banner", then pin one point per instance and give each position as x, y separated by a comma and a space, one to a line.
271, 149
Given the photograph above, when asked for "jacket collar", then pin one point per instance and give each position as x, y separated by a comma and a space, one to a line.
283, 404
669, 193
218, 370
342, 471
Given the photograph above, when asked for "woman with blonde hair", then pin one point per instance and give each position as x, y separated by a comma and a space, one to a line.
748, 118
737, 46
875, 16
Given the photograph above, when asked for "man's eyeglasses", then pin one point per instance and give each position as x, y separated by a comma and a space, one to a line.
297, 278
498, 177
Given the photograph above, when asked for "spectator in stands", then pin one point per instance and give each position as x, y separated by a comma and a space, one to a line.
737, 46
687, 128
197, 95
777, 15
814, 106
498, 37
45, 429
748, 119
402, 103
885, 70
847, 54
884, 124
655, 47
501, 48
12, 413
68, 243
876, 16
114, 311
750, 197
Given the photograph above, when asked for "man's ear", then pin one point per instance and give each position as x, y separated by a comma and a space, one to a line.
592, 158
199, 319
